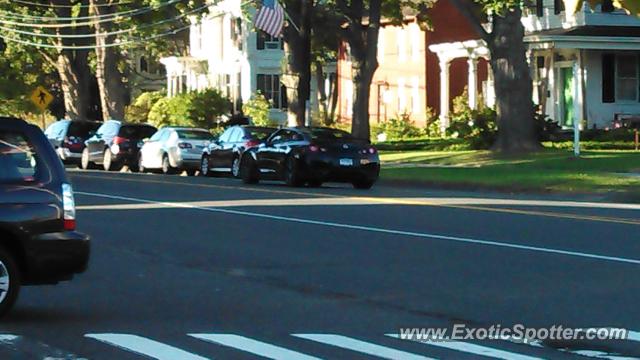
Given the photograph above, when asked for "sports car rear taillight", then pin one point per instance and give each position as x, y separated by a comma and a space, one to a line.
68, 207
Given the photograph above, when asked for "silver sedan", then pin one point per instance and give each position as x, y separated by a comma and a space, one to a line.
174, 149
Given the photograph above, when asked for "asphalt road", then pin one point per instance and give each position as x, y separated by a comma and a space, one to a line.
204, 268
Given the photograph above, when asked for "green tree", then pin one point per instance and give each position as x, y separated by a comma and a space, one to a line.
257, 108
139, 110
206, 107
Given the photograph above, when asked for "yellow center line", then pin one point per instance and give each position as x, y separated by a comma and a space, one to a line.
390, 201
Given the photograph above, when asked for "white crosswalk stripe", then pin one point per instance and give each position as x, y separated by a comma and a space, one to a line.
146, 347
361, 346
475, 349
253, 346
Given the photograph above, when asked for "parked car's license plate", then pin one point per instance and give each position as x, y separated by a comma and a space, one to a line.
346, 162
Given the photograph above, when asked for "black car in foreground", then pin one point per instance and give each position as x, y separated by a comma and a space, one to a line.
67, 138
224, 153
38, 241
312, 155
114, 145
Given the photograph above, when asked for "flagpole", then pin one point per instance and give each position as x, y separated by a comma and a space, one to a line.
286, 14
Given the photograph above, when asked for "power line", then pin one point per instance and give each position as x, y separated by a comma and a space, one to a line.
93, 47
30, 3
13, 15
86, 23
81, 36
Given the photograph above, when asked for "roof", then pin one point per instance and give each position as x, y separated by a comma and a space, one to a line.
593, 30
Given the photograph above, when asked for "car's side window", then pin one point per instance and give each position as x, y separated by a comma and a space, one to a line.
166, 135
157, 136
237, 135
18, 161
225, 135
277, 137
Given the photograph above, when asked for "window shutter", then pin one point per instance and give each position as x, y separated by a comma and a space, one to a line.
558, 6
260, 40
540, 8
608, 78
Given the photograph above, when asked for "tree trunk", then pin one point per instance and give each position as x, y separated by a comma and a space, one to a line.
363, 40
74, 79
298, 51
513, 85
113, 91
73, 65
322, 94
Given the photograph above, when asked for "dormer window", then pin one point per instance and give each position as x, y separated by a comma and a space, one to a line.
268, 42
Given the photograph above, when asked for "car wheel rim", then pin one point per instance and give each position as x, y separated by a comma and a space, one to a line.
85, 159
4, 282
204, 167
107, 160
165, 165
235, 167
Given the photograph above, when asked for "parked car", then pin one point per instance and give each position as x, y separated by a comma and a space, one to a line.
67, 138
224, 153
38, 241
312, 156
114, 145
174, 149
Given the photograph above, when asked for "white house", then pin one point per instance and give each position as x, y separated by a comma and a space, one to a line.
585, 67
227, 54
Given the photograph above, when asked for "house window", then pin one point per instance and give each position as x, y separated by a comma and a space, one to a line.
402, 45
268, 42
381, 48
558, 6
236, 32
415, 96
627, 78
402, 97
270, 86
144, 66
415, 42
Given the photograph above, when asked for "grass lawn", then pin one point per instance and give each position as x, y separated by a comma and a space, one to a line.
549, 170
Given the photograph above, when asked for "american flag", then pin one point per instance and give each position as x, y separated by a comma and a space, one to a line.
270, 18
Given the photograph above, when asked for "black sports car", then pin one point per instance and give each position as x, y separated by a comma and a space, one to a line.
223, 154
312, 155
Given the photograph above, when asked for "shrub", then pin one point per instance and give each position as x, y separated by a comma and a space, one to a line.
206, 107
397, 128
257, 108
478, 127
138, 111
545, 127
198, 109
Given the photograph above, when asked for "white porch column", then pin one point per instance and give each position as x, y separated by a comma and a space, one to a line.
473, 82
444, 93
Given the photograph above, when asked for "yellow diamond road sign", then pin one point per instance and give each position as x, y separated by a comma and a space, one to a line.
41, 98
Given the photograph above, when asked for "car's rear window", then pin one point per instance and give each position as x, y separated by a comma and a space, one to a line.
136, 132
259, 134
18, 162
82, 129
329, 134
194, 135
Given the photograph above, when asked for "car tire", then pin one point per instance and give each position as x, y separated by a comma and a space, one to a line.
235, 167
167, 169
191, 172
291, 173
108, 163
9, 281
363, 184
249, 171
315, 183
85, 163
205, 170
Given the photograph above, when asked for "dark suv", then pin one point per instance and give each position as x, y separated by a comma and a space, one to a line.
38, 241
68, 137
114, 145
